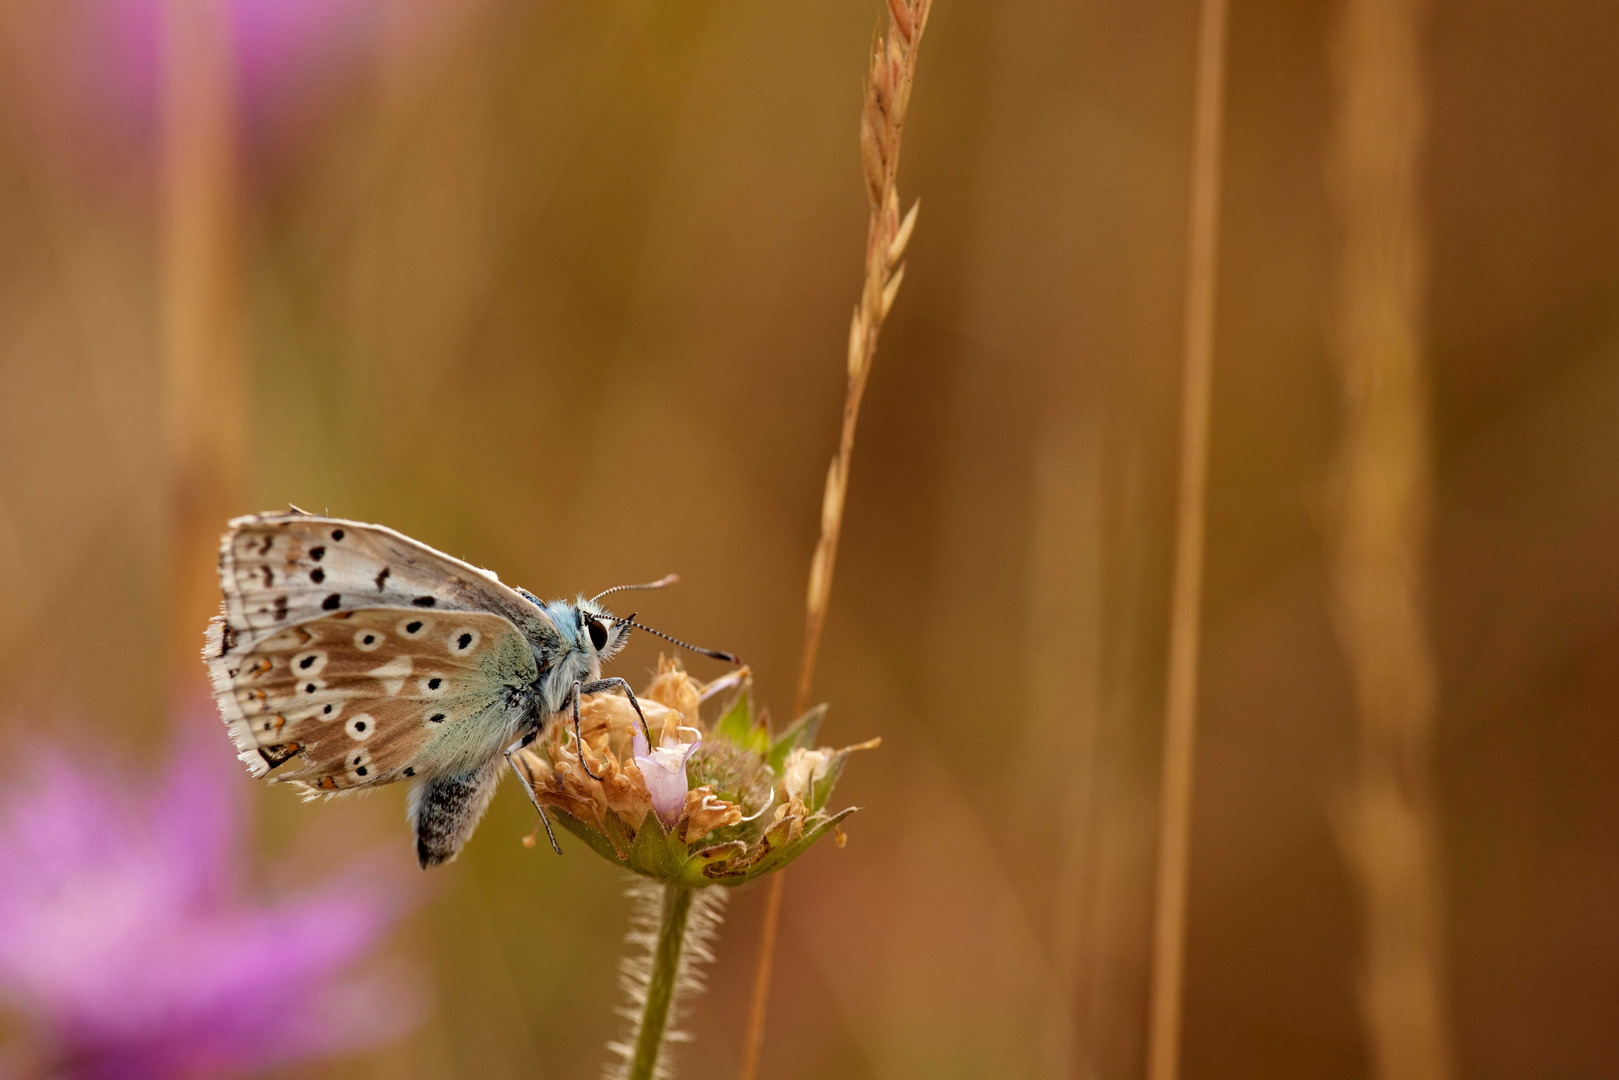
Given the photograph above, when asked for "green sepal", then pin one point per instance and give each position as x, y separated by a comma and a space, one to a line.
775, 850
697, 868
618, 834
801, 733
821, 789
738, 725
656, 851
588, 833
780, 857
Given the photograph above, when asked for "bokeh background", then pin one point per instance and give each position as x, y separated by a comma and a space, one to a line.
563, 289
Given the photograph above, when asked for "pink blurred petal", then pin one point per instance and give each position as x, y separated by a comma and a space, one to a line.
130, 945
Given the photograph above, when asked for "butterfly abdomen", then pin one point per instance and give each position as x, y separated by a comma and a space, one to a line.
444, 810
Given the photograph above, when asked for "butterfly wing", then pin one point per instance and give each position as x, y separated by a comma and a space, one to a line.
348, 655
366, 697
281, 569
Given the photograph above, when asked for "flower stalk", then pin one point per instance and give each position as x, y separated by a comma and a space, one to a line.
660, 994
671, 929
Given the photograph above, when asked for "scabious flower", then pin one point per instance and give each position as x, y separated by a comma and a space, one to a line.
127, 942
717, 801
721, 801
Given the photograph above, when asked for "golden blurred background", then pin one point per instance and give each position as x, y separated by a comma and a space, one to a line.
563, 289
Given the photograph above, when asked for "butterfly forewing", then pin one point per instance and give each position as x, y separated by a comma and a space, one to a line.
281, 569
348, 655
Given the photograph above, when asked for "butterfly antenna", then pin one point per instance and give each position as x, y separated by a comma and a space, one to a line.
629, 620
667, 579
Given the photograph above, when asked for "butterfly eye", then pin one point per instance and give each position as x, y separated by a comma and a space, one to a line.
598, 634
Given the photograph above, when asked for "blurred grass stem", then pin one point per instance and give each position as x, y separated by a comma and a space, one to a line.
1180, 724
882, 123
1388, 820
201, 320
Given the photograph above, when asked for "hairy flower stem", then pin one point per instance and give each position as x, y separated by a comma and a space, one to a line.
660, 992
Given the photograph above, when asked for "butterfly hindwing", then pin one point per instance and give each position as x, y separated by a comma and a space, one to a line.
367, 697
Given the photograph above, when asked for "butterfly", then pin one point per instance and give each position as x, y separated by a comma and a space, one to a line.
347, 656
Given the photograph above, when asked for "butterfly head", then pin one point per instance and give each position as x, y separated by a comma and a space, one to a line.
601, 633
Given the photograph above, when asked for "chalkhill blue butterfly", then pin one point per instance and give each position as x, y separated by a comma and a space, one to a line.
347, 656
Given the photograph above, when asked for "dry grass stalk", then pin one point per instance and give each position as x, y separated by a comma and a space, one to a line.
1180, 722
882, 123
1388, 822
204, 377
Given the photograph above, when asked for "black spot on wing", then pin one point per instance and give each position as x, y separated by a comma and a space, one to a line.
279, 754
424, 601
382, 578
280, 609
332, 602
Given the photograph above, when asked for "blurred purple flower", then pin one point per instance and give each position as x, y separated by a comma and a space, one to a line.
92, 70
277, 46
128, 944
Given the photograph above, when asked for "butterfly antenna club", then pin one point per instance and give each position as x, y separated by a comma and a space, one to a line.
667, 579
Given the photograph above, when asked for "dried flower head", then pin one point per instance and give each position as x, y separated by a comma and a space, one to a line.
720, 802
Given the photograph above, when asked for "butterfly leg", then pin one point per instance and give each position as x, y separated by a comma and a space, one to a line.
595, 688
578, 739
533, 798
607, 684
